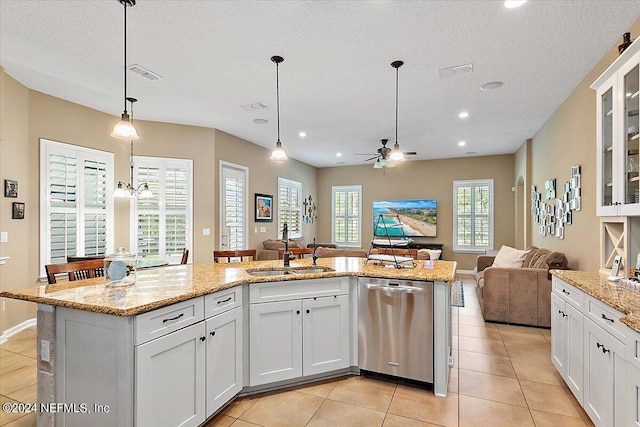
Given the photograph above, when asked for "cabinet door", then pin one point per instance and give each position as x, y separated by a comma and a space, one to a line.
574, 366
558, 334
224, 358
633, 396
169, 375
628, 79
325, 334
275, 350
603, 375
606, 120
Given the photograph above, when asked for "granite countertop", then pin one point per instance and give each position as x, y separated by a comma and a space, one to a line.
159, 287
597, 285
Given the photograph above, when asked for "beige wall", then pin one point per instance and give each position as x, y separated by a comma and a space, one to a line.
569, 138
15, 159
522, 181
428, 179
263, 179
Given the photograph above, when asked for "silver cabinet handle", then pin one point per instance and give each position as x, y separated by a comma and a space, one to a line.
400, 289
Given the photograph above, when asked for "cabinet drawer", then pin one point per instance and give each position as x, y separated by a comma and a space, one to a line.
297, 289
569, 293
164, 320
222, 301
605, 317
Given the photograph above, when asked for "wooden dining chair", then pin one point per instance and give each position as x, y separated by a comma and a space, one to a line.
185, 256
413, 253
77, 270
237, 256
84, 258
297, 252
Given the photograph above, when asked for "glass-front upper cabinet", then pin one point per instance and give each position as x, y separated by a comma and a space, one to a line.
617, 127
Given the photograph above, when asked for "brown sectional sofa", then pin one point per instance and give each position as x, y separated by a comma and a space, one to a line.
271, 246
518, 295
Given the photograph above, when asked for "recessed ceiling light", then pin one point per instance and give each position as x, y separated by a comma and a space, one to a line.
492, 85
470, 153
338, 154
512, 4
260, 121
302, 134
463, 115
461, 144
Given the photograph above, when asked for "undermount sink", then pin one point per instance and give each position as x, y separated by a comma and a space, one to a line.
288, 271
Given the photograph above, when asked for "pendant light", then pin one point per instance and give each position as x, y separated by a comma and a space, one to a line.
396, 154
124, 129
278, 152
129, 191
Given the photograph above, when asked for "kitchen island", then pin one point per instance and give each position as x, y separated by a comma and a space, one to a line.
115, 351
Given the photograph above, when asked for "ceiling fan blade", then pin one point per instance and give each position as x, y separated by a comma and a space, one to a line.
374, 157
364, 154
410, 153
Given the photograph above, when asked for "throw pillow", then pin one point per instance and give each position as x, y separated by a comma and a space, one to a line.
434, 254
509, 257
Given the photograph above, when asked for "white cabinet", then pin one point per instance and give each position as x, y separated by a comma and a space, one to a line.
325, 332
604, 377
298, 336
223, 358
170, 379
617, 126
633, 396
567, 343
275, 349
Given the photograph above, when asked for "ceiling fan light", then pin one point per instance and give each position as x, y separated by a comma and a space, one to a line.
377, 164
124, 129
387, 163
396, 154
278, 153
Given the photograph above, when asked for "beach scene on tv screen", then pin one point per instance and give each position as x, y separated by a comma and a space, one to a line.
418, 217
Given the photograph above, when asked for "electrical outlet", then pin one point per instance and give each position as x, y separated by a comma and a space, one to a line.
4, 237
206, 232
45, 351
263, 229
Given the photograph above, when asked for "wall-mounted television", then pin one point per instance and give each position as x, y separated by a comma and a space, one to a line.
418, 217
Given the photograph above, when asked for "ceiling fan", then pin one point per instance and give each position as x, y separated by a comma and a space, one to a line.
382, 156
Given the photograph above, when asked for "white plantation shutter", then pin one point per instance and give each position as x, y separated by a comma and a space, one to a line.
473, 215
290, 206
234, 206
76, 209
164, 222
346, 213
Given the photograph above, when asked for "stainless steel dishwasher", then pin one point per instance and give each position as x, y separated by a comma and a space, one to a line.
395, 328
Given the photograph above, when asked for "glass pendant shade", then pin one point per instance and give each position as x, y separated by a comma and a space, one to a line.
121, 192
396, 154
146, 193
124, 129
278, 153
387, 164
377, 164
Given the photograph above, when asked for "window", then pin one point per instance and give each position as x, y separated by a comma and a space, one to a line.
164, 222
233, 206
290, 206
473, 215
345, 215
76, 213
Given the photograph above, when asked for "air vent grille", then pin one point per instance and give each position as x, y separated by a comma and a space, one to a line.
141, 71
254, 106
455, 70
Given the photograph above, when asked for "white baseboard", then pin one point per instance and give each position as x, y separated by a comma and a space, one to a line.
15, 329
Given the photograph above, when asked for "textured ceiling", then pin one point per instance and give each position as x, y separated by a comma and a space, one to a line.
336, 83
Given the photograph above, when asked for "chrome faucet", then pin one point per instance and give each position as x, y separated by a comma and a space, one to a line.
315, 247
285, 238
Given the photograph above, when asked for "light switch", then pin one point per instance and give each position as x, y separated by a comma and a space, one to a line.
4, 237
206, 232
263, 229
255, 230
45, 350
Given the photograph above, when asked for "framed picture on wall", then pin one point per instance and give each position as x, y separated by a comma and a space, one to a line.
17, 211
264, 208
10, 188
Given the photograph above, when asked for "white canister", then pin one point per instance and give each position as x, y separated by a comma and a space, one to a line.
120, 268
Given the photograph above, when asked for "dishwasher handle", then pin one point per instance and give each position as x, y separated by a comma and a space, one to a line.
399, 289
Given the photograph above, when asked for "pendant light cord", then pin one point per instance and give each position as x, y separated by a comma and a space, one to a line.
124, 4
397, 69
278, 96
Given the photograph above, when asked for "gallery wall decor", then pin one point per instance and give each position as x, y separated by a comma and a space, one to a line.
10, 188
17, 210
309, 214
552, 217
264, 207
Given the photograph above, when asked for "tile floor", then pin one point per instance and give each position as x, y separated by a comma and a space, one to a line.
502, 376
